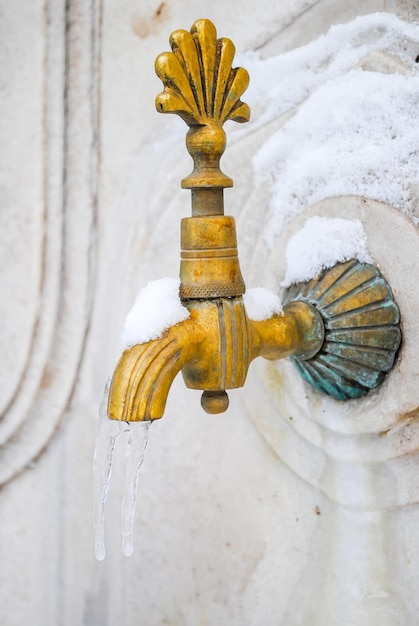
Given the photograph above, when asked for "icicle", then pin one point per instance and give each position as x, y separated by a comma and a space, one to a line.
137, 444
108, 431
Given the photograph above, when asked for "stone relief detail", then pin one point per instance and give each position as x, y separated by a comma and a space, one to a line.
51, 284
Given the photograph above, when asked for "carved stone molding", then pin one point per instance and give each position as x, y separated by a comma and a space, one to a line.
50, 218
361, 453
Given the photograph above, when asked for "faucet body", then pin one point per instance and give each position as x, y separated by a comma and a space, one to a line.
213, 349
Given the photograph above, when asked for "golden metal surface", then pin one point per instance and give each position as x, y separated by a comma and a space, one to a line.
214, 348
145, 372
202, 87
209, 266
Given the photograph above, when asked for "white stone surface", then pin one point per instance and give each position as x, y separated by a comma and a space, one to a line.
247, 518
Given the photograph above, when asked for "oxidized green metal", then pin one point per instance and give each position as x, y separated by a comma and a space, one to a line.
361, 329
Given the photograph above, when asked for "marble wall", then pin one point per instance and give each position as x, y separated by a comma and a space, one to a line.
244, 518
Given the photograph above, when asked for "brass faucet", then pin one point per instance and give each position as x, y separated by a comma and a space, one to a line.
214, 347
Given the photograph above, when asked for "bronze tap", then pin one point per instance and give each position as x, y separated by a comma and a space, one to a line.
214, 347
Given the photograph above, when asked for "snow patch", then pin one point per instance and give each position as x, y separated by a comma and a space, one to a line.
261, 304
349, 131
156, 308
322, 243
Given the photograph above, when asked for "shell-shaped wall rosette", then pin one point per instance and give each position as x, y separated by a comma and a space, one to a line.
200, 84
361, 329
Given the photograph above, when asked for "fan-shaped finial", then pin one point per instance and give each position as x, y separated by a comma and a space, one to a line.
202, 87
200, 83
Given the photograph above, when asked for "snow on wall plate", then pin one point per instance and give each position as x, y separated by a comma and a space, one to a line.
361, 324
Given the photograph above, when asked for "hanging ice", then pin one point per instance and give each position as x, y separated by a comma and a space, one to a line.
137, 444
108, 432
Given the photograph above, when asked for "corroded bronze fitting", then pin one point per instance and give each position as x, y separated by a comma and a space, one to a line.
341, 329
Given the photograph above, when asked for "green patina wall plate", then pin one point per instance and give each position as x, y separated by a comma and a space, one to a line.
362, 329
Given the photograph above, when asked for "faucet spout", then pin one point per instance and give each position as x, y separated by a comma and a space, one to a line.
145, 372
